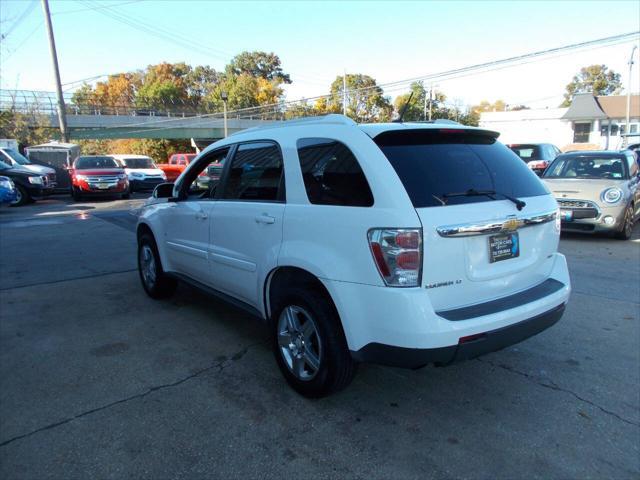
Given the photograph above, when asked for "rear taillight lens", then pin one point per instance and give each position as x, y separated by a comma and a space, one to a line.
398, 255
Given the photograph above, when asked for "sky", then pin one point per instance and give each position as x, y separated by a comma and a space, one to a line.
316, 41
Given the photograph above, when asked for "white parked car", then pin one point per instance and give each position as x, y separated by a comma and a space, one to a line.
401, 244
142, 172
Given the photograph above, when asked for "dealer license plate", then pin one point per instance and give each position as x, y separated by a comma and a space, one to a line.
504, 247
102, 186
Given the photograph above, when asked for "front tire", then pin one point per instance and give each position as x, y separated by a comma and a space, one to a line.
22, 196
627, 224
154, 280
309, 344
75, 194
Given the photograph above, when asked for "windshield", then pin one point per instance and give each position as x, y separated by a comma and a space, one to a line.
587, 166
527, 152
139, 163
17, 156
84, 163
433, 164
4, 166
190, 156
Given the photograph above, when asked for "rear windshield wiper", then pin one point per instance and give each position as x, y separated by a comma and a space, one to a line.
485, 193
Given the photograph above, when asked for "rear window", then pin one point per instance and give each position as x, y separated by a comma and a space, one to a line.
527, 152
434, 164
84, 163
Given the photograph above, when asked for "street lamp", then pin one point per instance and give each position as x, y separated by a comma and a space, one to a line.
628, 129
224, 97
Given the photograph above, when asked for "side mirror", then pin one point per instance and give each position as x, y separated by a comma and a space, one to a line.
164, 190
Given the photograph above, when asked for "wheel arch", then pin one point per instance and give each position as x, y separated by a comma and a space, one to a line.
280, 277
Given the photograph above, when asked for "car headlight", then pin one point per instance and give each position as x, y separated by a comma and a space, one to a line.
35, 180
611, 195
81, 177
163, 175
6, 183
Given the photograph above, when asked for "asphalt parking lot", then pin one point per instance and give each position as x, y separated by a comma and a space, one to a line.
99, 381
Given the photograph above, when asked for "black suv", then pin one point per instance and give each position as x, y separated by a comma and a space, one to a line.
29, 185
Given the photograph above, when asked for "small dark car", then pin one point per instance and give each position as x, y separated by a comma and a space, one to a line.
537, 156
29, 185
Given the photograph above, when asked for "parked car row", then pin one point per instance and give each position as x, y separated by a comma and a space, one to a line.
59, 168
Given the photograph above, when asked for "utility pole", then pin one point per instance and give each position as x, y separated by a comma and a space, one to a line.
625, 141
430, 100
344, 93
62, 114
424, 110
225, 97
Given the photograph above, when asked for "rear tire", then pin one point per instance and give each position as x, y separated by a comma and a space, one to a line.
627, 225
154, 280
22, 196
309, 343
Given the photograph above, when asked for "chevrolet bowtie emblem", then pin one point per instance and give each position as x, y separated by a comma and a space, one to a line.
511, 224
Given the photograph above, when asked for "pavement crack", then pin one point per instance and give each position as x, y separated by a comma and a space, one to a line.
220, 365
62, 280
554, 386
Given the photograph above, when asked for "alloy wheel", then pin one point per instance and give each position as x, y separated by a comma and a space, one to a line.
299, 342
148, 265
18, 199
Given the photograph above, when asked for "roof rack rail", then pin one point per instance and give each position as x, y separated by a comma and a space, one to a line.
332, 118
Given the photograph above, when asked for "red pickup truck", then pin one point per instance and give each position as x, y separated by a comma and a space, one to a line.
177, 163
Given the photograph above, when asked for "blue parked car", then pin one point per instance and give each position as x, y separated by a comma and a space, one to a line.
8, 193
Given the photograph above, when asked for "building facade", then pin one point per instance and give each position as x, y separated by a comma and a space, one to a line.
590, 122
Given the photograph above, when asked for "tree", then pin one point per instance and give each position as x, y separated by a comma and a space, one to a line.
365, 99
259, 65
416, 109
486, 106
597, 79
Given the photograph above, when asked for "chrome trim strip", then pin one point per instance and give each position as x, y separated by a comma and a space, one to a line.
509, 224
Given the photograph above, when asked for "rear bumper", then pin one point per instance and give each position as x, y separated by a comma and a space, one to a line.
486, 342
374, 318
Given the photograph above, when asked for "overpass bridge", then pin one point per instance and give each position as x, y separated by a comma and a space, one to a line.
174, 121
84, 126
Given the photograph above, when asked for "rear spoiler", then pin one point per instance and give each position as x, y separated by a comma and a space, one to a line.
422, 136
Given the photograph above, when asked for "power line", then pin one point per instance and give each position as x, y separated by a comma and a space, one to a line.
64, 12
450, 74
166, 35
22, 16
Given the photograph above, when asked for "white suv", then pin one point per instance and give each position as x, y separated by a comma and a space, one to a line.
402, 244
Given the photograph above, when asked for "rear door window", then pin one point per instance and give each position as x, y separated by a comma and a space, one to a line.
332, 174
256, 173
435, 164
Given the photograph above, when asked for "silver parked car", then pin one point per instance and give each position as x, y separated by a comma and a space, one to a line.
597, 191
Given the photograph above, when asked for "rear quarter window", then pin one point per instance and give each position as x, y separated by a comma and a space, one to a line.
435, 163
332, 174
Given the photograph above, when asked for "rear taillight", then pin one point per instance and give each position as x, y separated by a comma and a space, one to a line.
398, 255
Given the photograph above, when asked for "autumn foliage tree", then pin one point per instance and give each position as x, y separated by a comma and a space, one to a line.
597, 79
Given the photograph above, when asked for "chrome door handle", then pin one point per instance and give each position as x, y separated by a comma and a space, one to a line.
201, 216
264, 218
